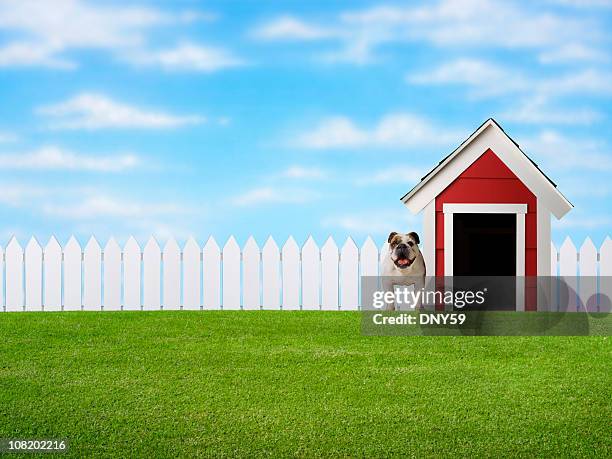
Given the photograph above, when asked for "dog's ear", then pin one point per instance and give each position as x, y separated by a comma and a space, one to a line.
391, 237
415, 236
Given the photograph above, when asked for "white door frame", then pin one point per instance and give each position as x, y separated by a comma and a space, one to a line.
519, 209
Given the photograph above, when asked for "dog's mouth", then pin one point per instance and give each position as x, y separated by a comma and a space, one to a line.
403, 263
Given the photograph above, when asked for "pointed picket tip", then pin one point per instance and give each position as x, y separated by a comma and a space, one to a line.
13, 244
231, 244
211, 244
73, 242
33, 244
131, 243
92, 244
349, 244
191, 244
112, 244
171, 246
588, 245
310, 242
369, 240
53, 246
568, 243
606, 244
151, 244
369, 243
251, 244
290, 243
330, 244
270, 244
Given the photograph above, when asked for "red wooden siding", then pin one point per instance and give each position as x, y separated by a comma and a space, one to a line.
489, 181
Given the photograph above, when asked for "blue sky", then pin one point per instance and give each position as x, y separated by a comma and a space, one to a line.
304, 118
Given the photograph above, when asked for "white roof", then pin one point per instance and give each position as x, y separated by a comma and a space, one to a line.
488, 135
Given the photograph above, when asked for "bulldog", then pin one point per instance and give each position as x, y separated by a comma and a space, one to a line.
403, 264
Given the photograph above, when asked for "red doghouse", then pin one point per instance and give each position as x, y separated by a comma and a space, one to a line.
486, 211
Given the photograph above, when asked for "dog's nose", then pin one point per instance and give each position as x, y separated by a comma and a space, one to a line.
401, 246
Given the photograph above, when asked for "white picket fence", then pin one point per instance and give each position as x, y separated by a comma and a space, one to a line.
289, 278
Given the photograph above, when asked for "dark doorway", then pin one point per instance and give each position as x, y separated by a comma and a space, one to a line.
484, 257
484, 244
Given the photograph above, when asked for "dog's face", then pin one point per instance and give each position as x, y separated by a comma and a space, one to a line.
403, 248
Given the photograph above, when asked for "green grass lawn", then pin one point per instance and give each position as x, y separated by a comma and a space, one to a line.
296, 384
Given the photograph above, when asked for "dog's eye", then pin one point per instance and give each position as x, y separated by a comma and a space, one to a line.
410, 243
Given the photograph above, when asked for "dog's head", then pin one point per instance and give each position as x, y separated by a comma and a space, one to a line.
403, 248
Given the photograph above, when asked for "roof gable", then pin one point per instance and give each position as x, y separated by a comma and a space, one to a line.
488, 165
488, 136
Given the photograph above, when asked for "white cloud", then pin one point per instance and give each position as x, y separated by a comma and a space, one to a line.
573, 52
301, 172
290, 28
486, 79
188, 57
376, 222
589, 81
96, 111
557, 151
403, 174
392, 131
447, 23
583, 222
332, 133
584, 186
585, 3
537, 110
7, 137
271, 195
100, 206
20, 194
54, 27
26, 54
54, 158
48, 31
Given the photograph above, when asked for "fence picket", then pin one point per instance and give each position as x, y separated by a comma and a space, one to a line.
328, 278
568, 272
33, 276
231, 274
72, 275
329, 275
52, 266
588, 275
211, 256
311, 275
554, 281
383, 253
131, 275
270, 265
349, 276
14, 276
172, 275
250, 278
191, 275
605, 271
369, 258
112, 276
291, 274
92, 276
151, 271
